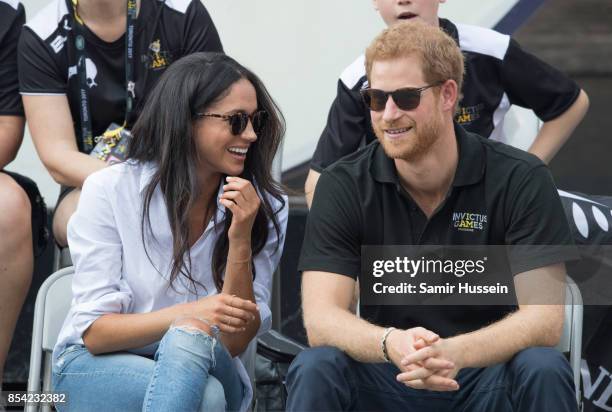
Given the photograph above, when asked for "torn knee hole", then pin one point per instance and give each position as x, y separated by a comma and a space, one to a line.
192, 325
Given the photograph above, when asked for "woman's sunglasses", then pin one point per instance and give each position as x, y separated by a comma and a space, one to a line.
239, 121
407, 98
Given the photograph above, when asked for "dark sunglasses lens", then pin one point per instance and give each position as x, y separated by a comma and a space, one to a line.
259, 121
238, 122
406, 99
376, 100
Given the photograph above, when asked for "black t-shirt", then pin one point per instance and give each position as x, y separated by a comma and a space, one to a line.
498, 74
359, 201
12, 17
47, 62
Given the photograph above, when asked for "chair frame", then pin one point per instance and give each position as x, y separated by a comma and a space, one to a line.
38, 340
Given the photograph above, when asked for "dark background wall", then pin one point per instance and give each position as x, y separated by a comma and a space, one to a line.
576, 37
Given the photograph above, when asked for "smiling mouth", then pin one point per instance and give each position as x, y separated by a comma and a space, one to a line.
238, 151
397, 131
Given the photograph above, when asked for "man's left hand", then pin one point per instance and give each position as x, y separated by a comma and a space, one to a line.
420, 376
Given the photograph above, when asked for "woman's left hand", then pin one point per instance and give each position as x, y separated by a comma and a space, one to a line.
242, 199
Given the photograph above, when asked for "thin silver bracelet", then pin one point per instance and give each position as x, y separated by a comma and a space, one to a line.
383, 344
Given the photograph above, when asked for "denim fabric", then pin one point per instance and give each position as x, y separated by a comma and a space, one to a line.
534, 380
191, 371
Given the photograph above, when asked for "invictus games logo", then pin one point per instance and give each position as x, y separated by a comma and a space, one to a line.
466, 115
469, 222
156, 57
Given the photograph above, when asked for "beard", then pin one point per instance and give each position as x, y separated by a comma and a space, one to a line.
413, 147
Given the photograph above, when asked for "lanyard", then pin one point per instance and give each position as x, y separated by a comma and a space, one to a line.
81, 58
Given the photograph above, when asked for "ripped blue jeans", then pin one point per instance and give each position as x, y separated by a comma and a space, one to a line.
191, 371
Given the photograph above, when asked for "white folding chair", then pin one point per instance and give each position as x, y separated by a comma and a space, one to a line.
52, 305
571, 337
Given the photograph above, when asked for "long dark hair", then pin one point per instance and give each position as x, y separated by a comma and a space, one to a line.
163, 134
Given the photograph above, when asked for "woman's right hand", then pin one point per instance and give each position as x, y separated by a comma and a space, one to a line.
229, 313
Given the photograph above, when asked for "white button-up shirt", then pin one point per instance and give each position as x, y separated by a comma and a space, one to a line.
113, 273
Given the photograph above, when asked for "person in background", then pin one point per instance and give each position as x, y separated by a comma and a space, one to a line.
22, 221
496, 78
174, 249
87, 66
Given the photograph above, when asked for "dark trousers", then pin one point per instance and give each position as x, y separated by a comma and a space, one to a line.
326, 379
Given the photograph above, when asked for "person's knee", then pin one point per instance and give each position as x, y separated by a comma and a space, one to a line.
314, 363
214, 396
540, 363
62, 214
193, 325
15, 219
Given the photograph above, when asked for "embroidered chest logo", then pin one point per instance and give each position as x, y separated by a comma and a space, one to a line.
469, 222
469, 114
157, 58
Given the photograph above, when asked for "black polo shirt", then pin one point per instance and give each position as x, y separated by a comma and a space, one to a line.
360, 201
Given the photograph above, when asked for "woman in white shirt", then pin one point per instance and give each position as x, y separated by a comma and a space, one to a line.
174, 250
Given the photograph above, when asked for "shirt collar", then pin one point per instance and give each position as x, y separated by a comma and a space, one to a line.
449, 28
470, 167
472, 162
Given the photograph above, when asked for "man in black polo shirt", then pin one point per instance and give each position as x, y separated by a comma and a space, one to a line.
405, 189
499, 74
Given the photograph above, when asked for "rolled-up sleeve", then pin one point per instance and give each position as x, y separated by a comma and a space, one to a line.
266, 262
96, 250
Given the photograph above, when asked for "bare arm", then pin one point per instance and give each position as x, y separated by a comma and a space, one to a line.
240, 197
310, 185
11, 135
326, 298
120, 331
50, 124
554, 133
239, 282
533, 324
115, 332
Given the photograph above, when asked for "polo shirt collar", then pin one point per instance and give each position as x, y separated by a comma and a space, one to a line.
472, 162
470, 167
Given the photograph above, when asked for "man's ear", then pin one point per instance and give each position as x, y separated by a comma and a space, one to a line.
449, 94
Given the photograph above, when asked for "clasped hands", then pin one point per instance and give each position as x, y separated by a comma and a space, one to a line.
425, 360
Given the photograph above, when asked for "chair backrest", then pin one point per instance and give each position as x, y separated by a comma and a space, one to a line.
52, 304
57, 303
573, 316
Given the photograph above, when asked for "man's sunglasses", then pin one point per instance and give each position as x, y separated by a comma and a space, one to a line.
239, 121
407, 98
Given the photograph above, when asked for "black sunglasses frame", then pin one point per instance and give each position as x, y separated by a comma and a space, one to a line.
238, 121
406, 98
